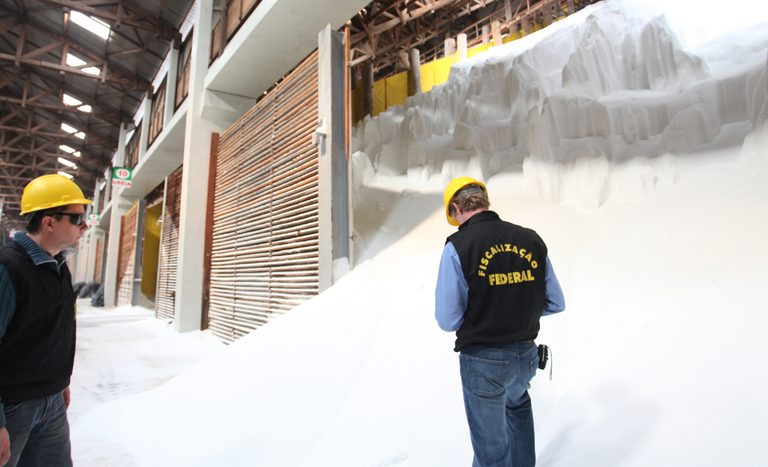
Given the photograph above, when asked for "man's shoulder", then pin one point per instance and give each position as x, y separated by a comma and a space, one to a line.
521, 228
11, 248
11, 254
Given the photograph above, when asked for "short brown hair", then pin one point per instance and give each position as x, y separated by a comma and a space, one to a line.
34, 219
469, 198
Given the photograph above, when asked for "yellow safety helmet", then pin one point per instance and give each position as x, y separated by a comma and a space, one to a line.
453, 187
50, 191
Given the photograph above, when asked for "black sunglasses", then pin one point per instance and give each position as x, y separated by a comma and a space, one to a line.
74, 219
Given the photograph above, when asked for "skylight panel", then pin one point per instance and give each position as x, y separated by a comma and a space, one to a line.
70, 176
77, 62
72, 131
68, 163
89, 23
71, 101
66, 149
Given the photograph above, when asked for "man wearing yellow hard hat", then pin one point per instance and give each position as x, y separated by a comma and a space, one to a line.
495, 282
37, 325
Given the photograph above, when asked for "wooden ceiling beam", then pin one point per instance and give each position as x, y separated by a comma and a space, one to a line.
60, 136
96, 60
104, 76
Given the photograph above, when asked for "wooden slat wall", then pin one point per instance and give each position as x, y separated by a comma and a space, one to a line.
156, 117
235, 14
99, 255
264, 248
165, 297
132, 148
182, 76
126, 259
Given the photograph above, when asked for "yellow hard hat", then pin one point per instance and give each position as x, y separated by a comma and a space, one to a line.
50, 191
453, 187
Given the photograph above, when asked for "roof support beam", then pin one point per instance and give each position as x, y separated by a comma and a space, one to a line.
123, 14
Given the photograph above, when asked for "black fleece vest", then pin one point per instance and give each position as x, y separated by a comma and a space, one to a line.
504, 265
38, 350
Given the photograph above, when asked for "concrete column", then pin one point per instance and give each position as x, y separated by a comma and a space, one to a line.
496, 33
144, 136
170, 87
77, 261
138, 254
416, 71
334, 228
108, 186
194, 192
119, 207
486, 33
94, 232
461, 44
449, 47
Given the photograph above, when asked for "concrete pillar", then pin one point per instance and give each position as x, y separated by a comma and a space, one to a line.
416, 71
108, 186
449, 47
76, 261
90, 265
461, 44
496, 33
144, 136
138, 254
119, 207
486, 33
97, 234
170, 86
194, 192
334, 228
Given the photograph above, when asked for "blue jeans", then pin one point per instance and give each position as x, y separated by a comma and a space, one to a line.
39, 433
495, 382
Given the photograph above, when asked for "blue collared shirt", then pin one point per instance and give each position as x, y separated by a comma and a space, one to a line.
8, 292
452, 291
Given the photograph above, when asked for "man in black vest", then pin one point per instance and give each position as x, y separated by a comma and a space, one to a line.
495, 282
37, 326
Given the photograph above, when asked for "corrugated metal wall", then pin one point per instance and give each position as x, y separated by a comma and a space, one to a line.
264, 247
165, 297
126, 260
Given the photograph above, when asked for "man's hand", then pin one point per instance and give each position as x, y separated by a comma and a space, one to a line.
67, 397
5, 446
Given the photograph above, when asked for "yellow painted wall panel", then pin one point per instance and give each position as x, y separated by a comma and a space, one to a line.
443, 69
427, 76
477, 49
397, 89
512, 37
379, 97
151, 251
